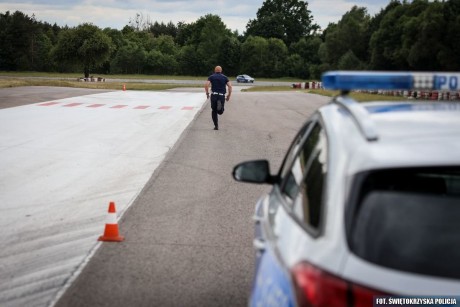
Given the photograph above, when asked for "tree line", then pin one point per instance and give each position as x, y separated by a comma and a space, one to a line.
282, 41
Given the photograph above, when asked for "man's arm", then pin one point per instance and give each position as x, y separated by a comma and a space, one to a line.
206, 88
229, 85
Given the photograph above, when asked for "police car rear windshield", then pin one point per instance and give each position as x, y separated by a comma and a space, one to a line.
408, 220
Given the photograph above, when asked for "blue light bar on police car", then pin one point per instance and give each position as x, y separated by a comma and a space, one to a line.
370, 80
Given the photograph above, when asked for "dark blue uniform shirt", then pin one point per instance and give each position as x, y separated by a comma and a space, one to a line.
218, 83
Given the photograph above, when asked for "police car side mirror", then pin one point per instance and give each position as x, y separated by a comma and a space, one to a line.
257, 171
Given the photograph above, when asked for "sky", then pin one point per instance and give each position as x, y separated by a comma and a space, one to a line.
117, 13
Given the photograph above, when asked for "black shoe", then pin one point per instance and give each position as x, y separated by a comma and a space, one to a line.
216, 128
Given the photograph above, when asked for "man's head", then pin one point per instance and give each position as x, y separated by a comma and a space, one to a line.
218, 69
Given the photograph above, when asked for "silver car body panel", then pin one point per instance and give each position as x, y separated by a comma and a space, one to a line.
405, 138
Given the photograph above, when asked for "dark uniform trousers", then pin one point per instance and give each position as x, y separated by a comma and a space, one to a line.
217, 106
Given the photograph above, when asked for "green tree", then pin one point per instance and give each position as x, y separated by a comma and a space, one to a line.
158, 63
425, 41
165, 44
184, 33
276, 57
316, 70
229, 55
391, 43
307, 48
350, 34
19, 35
449, 55
203, 39
295, 66
212, 32
377, 19
85, 46
161, 59
158, 29
129, 59
143, 39
41, 59
189, 61
349, 61
254, 58
116, 36
117, 42
288, 20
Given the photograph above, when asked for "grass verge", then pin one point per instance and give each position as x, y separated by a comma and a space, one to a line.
138, 86
35, 74
362, 97
17, 79
268, 89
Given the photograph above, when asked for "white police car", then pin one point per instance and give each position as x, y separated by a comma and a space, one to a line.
366, 202
244, 79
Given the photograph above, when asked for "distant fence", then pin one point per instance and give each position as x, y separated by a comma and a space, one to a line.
422, 95
91, 79
308, 85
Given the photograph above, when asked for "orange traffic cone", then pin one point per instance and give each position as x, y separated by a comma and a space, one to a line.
124, 87
111, 226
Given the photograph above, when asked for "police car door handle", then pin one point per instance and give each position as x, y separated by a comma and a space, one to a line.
259, 244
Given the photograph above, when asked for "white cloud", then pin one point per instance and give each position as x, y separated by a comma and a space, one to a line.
117, 13
325, 12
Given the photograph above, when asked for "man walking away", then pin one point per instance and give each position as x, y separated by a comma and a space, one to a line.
219, 83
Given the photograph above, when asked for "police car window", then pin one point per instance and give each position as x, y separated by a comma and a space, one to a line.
293, 178
408, 220
293, 151
307, 205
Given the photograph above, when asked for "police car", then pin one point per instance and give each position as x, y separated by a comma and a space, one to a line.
244, 79
367, 201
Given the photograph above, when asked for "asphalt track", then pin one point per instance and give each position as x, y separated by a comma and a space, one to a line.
62, 161
189, 232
